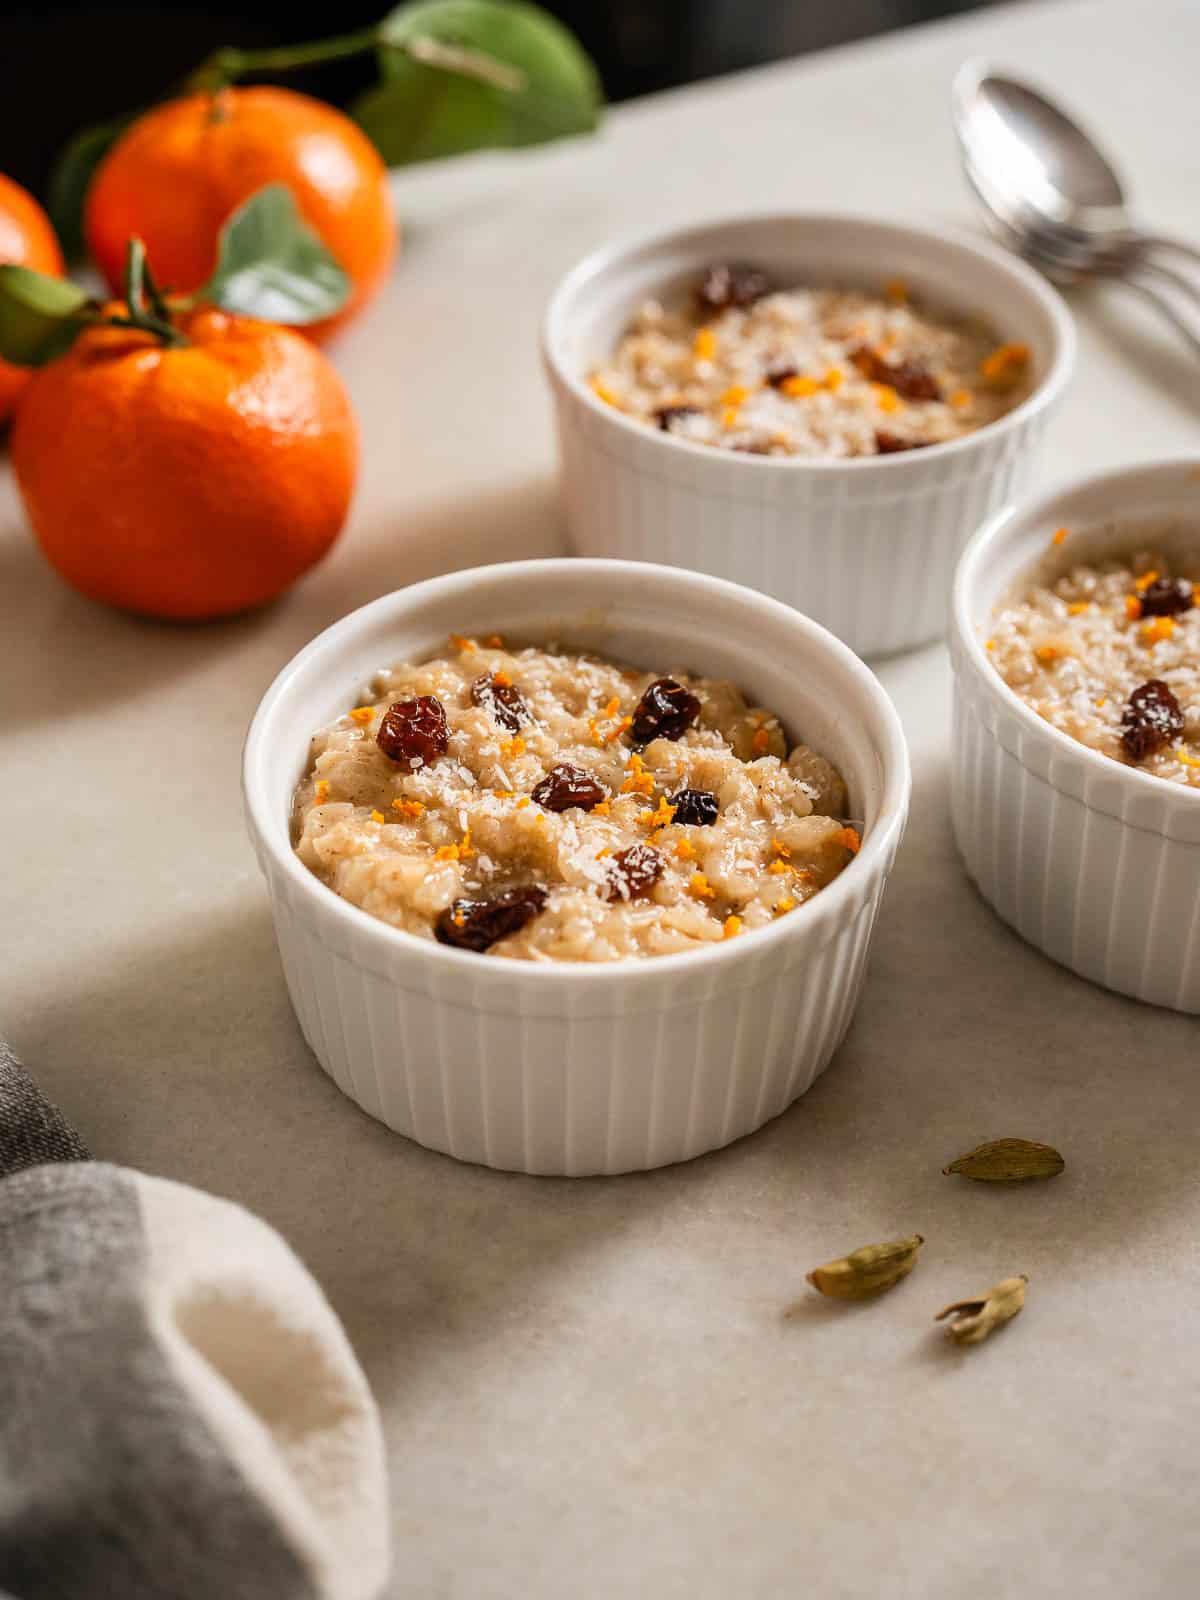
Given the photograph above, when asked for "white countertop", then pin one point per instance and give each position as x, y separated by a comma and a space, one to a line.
588, 1386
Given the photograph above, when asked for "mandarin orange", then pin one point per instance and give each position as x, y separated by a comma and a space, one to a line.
186, 481
26, 240
175, 175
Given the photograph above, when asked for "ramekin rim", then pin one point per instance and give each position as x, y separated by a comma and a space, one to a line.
1006, 522
604, 257
872, 857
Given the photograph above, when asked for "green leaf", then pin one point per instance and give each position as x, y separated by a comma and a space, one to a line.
271, 264
73, 172
39, 316
462, 75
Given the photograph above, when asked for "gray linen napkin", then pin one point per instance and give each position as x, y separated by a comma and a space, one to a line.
181, 1415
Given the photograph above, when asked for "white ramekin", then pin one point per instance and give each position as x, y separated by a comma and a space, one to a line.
562, 1068
867, 547
1095, 863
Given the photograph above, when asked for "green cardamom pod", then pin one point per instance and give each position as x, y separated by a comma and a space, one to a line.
1008, 1161
975, 1319
868, 1271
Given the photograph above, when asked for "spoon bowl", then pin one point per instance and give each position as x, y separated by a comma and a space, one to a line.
1034, 167
1052, 196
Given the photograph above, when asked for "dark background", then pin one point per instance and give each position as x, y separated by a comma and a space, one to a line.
64, 66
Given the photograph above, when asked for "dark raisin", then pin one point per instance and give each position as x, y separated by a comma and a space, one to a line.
870, 363
913, 381
669, 414
565, 786
633, 873
665, 711
778, 373
908, 378
413, 733
696, 807
1151, 719
889, 444
1167, 597
503, 702
477, 924
726, 285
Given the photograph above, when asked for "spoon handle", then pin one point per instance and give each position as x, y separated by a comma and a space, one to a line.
1175, 296
1148, 242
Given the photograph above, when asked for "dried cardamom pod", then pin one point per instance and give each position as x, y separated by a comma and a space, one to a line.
975, 1319
868, 1271
1008, 1161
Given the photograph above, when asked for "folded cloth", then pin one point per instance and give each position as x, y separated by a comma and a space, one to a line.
181, 1415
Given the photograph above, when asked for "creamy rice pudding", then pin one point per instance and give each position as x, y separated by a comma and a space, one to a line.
819, 372
1109, 653
545, 805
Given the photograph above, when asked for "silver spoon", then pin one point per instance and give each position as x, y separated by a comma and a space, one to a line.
1054, 197
1042, 172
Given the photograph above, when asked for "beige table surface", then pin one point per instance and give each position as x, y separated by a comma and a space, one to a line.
588, 1386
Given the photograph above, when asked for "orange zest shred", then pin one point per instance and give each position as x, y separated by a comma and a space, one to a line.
512, 747
602, 392
462, 644
850, 838
600, 854
409, 808
700, 888
456, 852
704, 345
729, 417
1188, 761
1059, 535
886, 397
786, 904
1143, 583
736, 394
778, 848
731, 927
499, 794
1005, 363
1158, 629
362, 714
799, 387
685, 851
638, 780
522, 802
761, 740
1047, 654
602, 809
610, 734
500, 680
990, 644
661, 817
833, 379
961, 399
1133, 607
780, 869
321, 791
1078, 607
1102, 702
378, 816
494, 641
